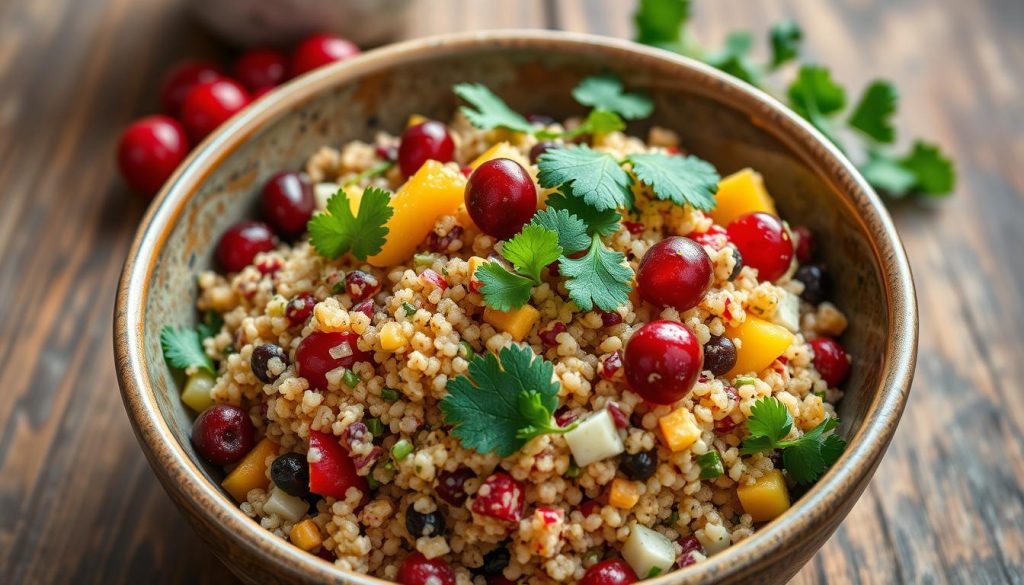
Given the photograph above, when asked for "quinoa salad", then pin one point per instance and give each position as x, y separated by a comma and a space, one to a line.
509, 349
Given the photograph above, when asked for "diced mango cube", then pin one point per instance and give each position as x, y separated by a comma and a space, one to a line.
306, 535
679, 429
504, 150
516, 322
196, 394
251, 472
435, 190
741, 193
624, 494
766, 498
391, 337
415, 119
474, 263
761, 343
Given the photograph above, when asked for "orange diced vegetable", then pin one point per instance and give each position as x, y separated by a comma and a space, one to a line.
761, 343
766, 498
679, 429
741, 193
305, 535
624, 493
516, 322
391, 338
251, 473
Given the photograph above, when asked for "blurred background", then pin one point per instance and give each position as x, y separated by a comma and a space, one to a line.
78, 502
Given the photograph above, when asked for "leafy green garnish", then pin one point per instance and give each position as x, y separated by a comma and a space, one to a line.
871, 114
601, 223
814, 94
338, 231
571, 230
805, 458
183, 349
504, 402
211, 325
486, 110
682, 180
597, 122
531, 250
659, 23
605, 92
925, 170
785, 38
733, 58
597, 279
592, 175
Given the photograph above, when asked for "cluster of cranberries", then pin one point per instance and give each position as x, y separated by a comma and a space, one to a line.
197, 96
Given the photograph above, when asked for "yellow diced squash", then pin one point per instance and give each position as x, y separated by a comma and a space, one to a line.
305, 535
435, 190
679, 429
761, 343
766, 498
624, 494
196, 394
251, 472
741, 193
516, 322
474, 263
391, 337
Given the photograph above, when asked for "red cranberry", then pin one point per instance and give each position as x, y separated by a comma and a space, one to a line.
618, 417
725, 425
300, 308
209, 105
369, 459
240, 244
149, 151
466, 171
501, 197
675, 272
366, 307
319, 50
422, 142
269, 266
357, 433
589, 508
322, 352
417, 569
804, 243
634, 227
719, 355
259, 93
609, 318
223, 434
451, 485
182, 78
550, 335
764, 243
501, 497
440, 244
288, 202
716, 237
540, 148
430, 278
690, 543
261, 68
830, 360
609, 365
662, 361
609, 572
361, 285
565, 417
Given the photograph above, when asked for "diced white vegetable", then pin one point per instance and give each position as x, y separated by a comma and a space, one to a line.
322, 192
648, 552
595, 438
714, 538
787, 313
286, 506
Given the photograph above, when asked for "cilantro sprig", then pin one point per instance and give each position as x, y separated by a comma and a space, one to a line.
183, 349
504, 401
805, 458
338, 230
529, 251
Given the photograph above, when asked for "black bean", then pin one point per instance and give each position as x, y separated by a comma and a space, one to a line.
419, 524
739, 263
639, 466
815, 280
719, 355
290, 472
494, 562
260, 361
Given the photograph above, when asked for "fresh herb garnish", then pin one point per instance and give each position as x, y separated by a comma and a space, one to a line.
338, 231
601, 223
598, 279
871, 114
531, 250
183, 349
785, 37
805, 458
591, 175
683, 180
501, 289
374, 171
571, 230
503, 402
605, 93
487, 111
211, 325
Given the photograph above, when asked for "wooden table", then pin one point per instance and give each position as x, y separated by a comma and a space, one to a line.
78, 502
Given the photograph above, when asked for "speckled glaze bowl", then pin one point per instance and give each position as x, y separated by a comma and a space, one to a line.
718, 118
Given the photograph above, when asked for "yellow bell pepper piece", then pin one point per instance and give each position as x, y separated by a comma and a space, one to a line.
761, 343
679, 429
766, 498
196, 394
624, 493
516, 322
305, 535
741, 193
251, 473
391, 338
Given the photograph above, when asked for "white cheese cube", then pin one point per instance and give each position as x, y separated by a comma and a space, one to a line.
595, 438
648, 552
787, 313
286, 506
322, 192
714, 538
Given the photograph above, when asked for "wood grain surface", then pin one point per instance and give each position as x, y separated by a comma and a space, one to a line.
78, 502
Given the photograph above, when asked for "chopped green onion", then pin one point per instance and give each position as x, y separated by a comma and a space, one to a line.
466, 350
390, 394
350, 378
654, 572
710, 465
820, 394
372, 483
376, 426
423, 259
389, 465
592, 556
401, 450
573, 471
339, 287
674, 517
408, 309
745, 381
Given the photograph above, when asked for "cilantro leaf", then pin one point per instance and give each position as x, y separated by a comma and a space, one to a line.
501, 289
733, 58
532, 249
593, 176
503, 402
933, 172
683, 180
337, 231
785, 38
597, 279
872, 112
806, 457
814, 92
598, 222
486, 110
831, 448
182, 349
572, 232
803, 461
597, 122
660, 22
605, 92
769, 418
887, 175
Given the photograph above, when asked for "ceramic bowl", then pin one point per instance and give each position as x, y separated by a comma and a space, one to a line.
718, 118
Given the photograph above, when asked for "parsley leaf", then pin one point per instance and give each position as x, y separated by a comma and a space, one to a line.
932, 171
886, 174
815, 92
806, 457
182, 349
501, 289
597, 122
337, 231
597, 279
602, 223
486, 110
531, 250
872, 112
769, 418
605, 92
785, 38
659, 23
734, 60
503, 402
593, 176
571, 231
683, 180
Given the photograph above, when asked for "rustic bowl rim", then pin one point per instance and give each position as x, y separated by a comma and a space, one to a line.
204, 498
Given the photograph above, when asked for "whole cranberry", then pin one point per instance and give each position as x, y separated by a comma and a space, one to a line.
182, 78
764, 243
609, 572
542, 147
288, 203
804, 243
830, 360
209, 105
501, 496
675, 272
149, 151
261, 69
425, 141
319, 50
662, 361
223, 434
417, 569
501, 197
322, 352
451, 485
240, 244
300, 308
